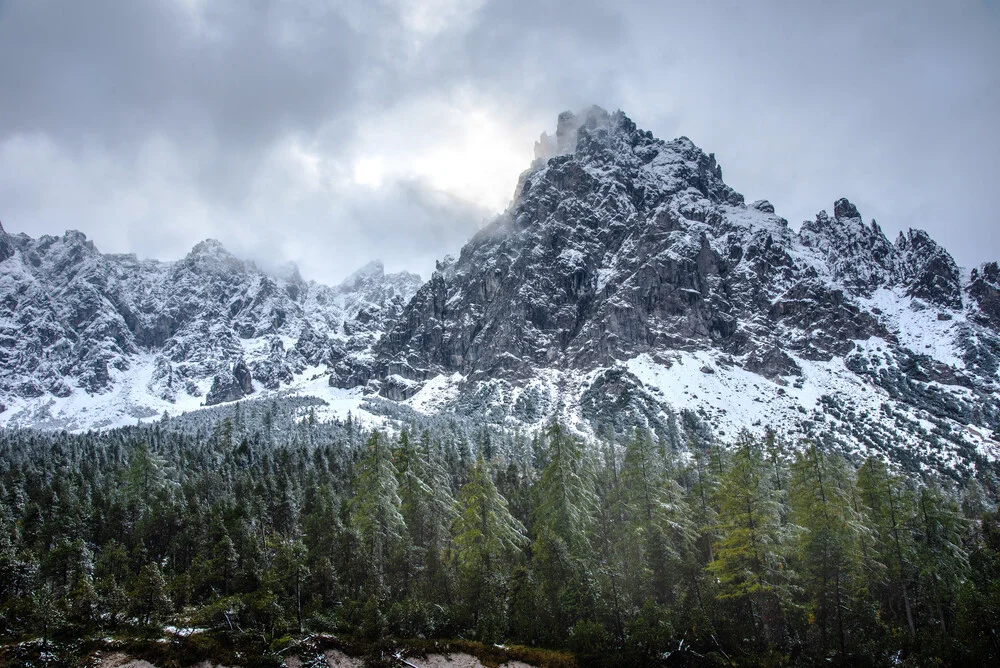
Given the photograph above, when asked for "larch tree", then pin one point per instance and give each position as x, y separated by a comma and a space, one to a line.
887, 507
749, 560
827, 549
942, 558
487, 540
656, 516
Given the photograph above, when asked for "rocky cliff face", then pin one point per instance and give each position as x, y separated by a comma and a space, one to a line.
626, 284
620, 246
205, 329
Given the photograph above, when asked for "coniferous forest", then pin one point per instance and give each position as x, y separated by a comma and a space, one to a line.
624, 550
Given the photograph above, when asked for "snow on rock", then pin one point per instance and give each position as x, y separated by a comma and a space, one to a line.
94, 340
626, 284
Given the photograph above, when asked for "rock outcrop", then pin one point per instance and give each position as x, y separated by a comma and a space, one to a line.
625, 268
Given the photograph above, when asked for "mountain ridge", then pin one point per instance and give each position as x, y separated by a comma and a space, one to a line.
76, 321
622, 257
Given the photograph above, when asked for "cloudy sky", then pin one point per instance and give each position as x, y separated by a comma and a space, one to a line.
331, 132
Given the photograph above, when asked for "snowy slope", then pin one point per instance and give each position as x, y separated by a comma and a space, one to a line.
93, 340
626, 284
625, 266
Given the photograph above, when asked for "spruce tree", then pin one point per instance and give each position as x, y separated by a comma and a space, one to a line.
563, 523
375, 513
426, 505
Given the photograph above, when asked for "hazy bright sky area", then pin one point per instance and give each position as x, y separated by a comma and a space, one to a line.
333, 132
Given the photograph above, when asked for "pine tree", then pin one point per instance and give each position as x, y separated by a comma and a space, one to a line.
612, 543
82, 597
149, 597
288, 577
47, 615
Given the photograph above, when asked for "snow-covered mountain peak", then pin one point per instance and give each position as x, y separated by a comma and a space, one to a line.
619, 245
211, 255
88, 339
591, 120
626, 284
6, 245
374, 270
844, 210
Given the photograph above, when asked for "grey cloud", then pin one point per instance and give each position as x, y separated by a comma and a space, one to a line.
405, 224
115, 71
150, 125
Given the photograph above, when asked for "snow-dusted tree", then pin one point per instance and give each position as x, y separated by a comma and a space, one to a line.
750, 554
887, 506
375, 511
566, 492
659, 530
942, 559
487, 540
426, 505
149, 601
564, 520
827, 550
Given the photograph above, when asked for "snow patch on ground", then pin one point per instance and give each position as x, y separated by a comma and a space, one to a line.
918, 325
733, 398
436, 393
130, 401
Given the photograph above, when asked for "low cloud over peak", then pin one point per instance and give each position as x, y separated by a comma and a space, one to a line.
332, 133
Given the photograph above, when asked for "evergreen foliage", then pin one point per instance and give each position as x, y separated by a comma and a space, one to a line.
620, 550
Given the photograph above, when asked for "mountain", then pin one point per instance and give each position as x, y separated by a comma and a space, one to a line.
627, 279
90, 340
626, 284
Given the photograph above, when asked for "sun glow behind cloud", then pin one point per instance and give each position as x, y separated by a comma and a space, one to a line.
332, 132
460, 146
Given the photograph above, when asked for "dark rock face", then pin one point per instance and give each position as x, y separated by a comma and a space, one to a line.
928, 271
241, 374
620, 244
6, 247
534, 288
772, 363
842, 209
230, 386
984, 288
